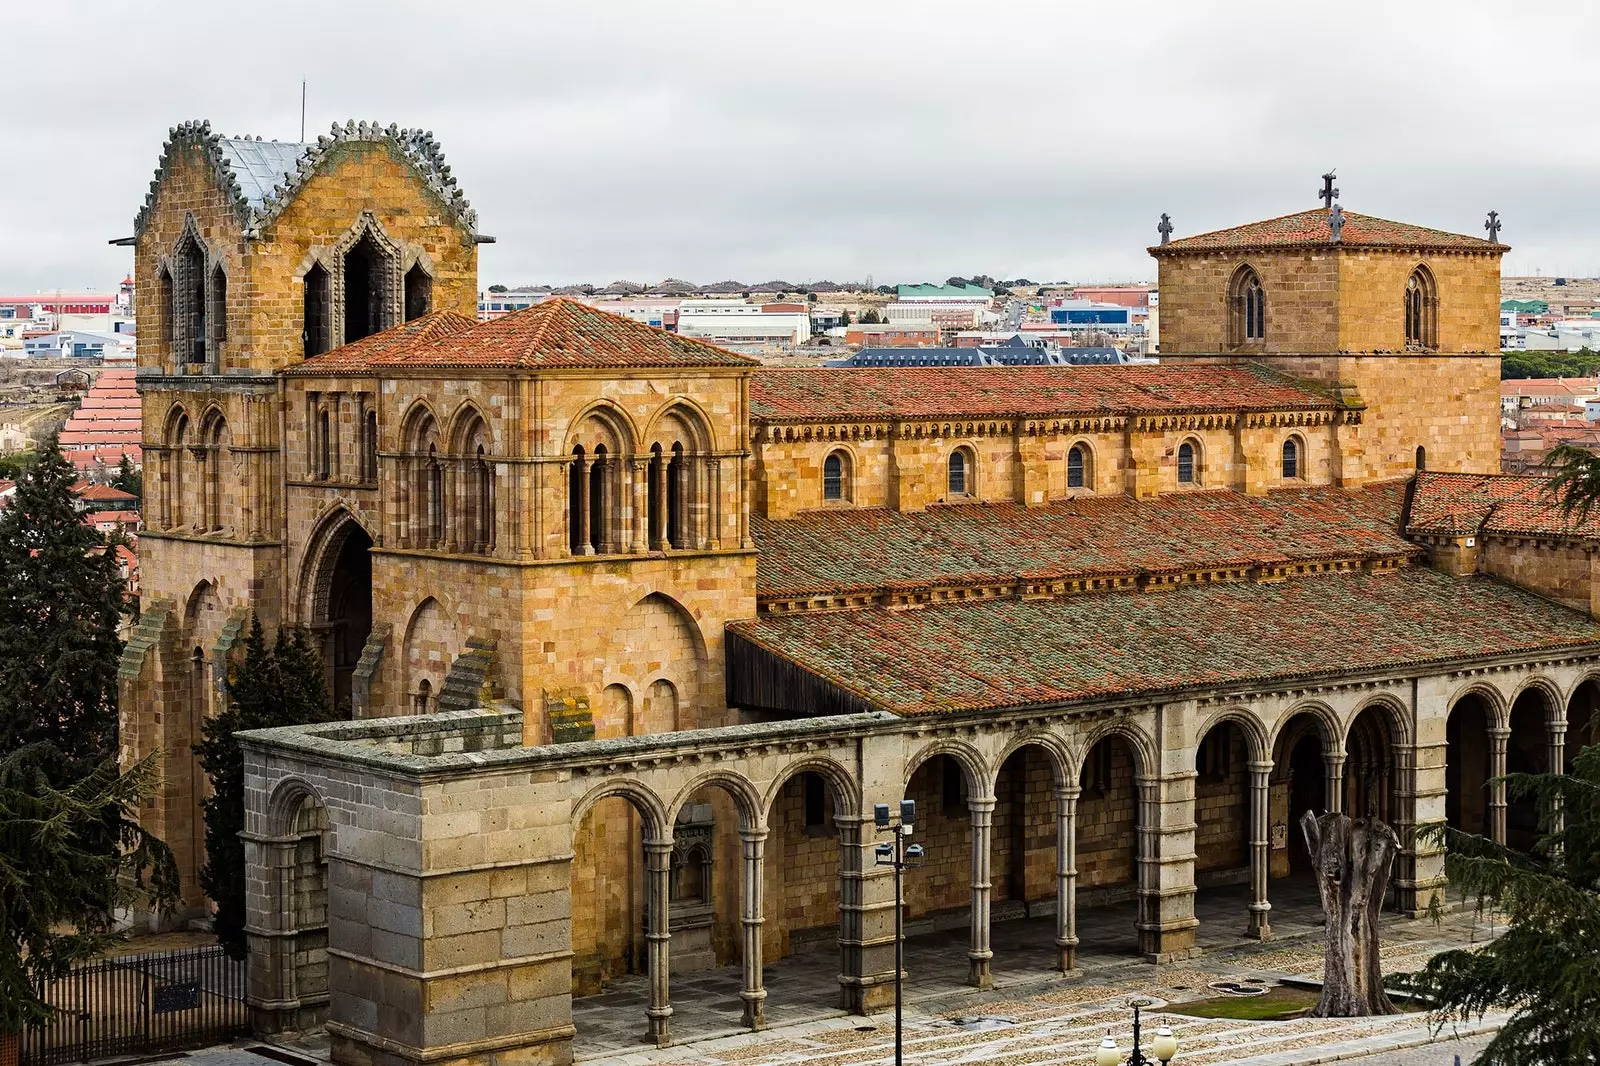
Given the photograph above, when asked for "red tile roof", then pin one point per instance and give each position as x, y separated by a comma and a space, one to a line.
1487, 504
870, 549
103, 494
555, 334
1310, 229
107, 420
1027, 653
811, 393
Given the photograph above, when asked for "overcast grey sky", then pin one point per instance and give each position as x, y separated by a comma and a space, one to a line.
905, 140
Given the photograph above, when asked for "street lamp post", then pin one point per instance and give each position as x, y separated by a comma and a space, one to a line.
1163, 1047
898, 854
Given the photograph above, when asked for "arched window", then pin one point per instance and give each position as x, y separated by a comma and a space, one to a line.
419, 292
1247, 308
1422, 458
482, 503
656, 494
435, 497
366, 269
960, 480
315, 331
833, 477
578, 503
169, 311
423, 695
677, 484
192, 287
1422, 310
1080, 467
599, 505
1291, 458
1188, 469
219, 311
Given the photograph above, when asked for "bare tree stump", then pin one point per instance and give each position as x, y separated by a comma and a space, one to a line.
1351, 860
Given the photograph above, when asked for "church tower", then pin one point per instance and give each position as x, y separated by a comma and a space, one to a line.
1397, 320
252, 256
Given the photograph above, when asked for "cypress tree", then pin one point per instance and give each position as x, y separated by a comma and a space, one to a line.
270, 686
61, 602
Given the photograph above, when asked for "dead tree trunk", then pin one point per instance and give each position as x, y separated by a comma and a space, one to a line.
1351, 860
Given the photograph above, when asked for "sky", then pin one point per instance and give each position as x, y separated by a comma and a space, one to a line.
832, 140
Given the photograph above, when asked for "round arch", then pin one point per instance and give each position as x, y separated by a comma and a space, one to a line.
1555, 702
973, 767
621, 434
323, 547
699, 426
746, 797
174, 426
1395, 717
840, 783
418, 425
640, 796
1141, 746
1259, 749
1059, 756
284, 803
1330, 730
1089, 467
1494, 701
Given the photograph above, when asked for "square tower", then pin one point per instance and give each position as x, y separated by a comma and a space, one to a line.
1401, 319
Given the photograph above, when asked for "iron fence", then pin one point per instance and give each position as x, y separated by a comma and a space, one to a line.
161, 1001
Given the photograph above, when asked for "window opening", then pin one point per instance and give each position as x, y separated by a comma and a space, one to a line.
1291, 458
314, 333
958, 473
1186, 464
833, 477
1075, 467
419, 292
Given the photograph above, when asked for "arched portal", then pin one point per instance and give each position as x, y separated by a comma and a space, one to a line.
1466, 765
341, 604
1583, 721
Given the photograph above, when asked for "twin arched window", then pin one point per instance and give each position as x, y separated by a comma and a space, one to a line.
835, 478
1188, 464
1291, 459
1247, 308
961, 475
1422, 310
1080, 467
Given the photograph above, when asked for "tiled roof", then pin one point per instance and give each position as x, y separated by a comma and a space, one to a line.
1310, 228
1505, 504
875, 548
1022, 653
805, 393
556, 334
107, 418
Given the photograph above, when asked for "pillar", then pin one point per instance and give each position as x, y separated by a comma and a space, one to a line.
683, 536
1333, 789
1260, 854
866, 923
1498, 737
753, 994
641, 485
585, 545
658, 861
658, 526
1067, 877
978, 952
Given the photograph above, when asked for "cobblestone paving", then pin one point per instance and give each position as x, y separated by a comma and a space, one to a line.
1035, 1016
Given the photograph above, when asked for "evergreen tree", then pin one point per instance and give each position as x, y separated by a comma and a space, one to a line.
70, 858
1544, 967
276, 686
127, 478
61, 601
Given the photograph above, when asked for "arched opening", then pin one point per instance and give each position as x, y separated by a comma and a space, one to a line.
219, 313
1109, 819
289, 962
366, 271
369, 446
316, 299
801, 889
834, 483
655, 506
168, 311
1466, 765
1247, 308
419, 292
1583, 723
431, 645
1080, 467
1299, 784
685, 496
939, 896
177, 459
482, 502
1024, 868
661, 711
215, 488
435, 497
1421, 310
342, 612
1370, 774
1224, 820
324, 445
192, 276
1527, 752
960, 479
615, 717
1188, 463
609, 900
600, 502
677, 484
578, 503
421, 699
1422, 458
1291, 459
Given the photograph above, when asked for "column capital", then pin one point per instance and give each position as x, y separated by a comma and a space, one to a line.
981, 804
1260, 766
753, 836
1068, 793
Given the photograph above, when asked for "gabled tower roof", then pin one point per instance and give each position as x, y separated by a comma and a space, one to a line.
263, 177
1310, 229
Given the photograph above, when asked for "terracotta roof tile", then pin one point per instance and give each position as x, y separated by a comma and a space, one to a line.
837, 551
1023, 653
811, 393
1310, 229
1505, 504
555, 334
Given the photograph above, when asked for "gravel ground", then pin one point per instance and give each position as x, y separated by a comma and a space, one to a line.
1440, 1054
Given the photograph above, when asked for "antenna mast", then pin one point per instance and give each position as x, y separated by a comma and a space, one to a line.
302, 111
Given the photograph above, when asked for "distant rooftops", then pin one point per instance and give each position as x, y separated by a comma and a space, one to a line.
1013, 353
944, 292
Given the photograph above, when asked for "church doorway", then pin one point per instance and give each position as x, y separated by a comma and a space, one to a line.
342, 606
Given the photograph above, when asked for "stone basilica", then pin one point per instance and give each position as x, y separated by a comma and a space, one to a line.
632, 632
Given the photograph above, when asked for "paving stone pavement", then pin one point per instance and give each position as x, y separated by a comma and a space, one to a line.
1047, 1018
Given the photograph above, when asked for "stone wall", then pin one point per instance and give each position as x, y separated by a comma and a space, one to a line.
1562, 570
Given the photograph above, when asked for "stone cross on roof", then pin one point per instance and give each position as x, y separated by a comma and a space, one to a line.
1328, 194
1165, 228
1335, 223
1492, 225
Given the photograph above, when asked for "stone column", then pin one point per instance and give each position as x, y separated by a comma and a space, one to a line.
1067, 877
658, 525
1260, 854
753, 994
978, 951
1558, 757
584, 545
658, 860
1333, 788
639, 538
1498, 737
686, 502
866, 923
